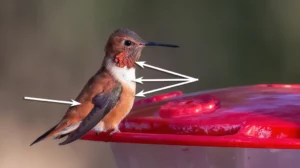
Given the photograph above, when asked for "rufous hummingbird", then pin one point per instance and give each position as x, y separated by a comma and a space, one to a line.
108, 96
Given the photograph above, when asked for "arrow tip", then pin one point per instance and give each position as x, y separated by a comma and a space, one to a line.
139, 80
140, 94
193, 79
74, 103
140, 63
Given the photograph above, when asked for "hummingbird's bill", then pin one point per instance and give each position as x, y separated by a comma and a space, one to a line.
159, 44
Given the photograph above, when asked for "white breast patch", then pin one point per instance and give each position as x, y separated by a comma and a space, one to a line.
124, 75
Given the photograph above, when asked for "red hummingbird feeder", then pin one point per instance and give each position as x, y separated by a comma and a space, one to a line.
250, 126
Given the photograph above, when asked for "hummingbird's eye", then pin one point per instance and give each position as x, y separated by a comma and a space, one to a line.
127, 42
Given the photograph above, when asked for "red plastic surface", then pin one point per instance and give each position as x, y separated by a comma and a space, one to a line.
259, 116
157, 98
185, 108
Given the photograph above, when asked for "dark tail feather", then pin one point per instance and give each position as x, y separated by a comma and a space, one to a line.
61, 136
43, 136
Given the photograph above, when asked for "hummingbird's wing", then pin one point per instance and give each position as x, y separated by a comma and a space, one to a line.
103, 103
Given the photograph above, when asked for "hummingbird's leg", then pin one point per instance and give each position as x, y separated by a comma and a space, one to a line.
114, 131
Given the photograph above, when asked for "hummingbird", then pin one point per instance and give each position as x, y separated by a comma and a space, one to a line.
109, 94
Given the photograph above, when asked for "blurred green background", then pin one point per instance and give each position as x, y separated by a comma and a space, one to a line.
50, 49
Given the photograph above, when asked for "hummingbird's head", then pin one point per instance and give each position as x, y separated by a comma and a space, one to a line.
124, 47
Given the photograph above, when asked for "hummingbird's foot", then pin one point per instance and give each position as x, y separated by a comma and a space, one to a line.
114, 131
99, 128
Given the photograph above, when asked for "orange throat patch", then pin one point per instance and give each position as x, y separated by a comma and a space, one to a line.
122, 61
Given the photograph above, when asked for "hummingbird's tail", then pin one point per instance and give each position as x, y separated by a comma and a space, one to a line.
60, 130
43, 136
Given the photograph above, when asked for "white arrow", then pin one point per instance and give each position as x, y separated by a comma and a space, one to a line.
141, 80
143, 64
142, 93
72, 102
